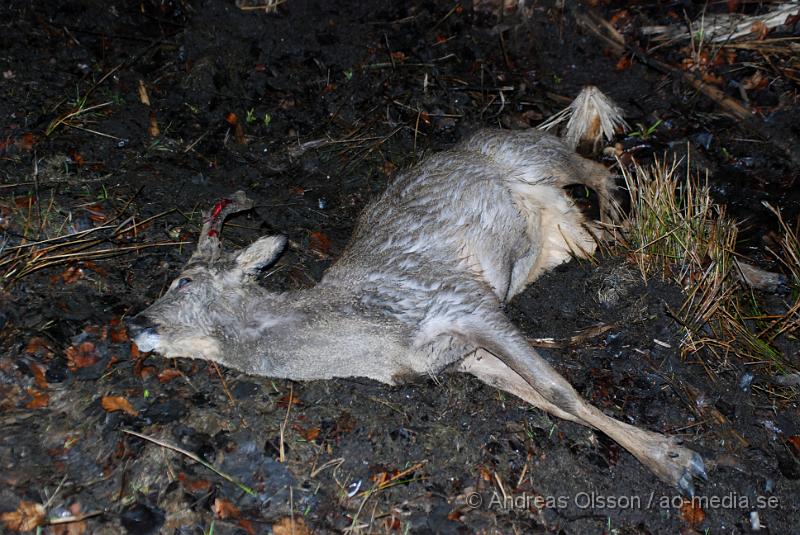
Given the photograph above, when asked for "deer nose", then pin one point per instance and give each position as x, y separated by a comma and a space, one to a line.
139, 325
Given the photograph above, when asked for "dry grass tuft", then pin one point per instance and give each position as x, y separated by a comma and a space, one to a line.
38, 234
675, 228
591, 117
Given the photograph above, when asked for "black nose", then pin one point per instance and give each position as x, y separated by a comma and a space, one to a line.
140, 325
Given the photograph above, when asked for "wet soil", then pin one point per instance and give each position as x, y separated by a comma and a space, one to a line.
310, 110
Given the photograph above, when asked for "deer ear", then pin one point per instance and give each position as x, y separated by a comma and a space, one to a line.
260, 254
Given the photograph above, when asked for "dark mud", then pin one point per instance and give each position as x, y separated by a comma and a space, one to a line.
329, 100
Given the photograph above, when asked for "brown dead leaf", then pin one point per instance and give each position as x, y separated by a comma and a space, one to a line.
168, 375
118, 333
399, 56
76, 157
623, 63
288, 399
225, 509
82, 356
310, 434
380, 478
27, 517
486, 475
39, 399
290, 526
713, 79
38, 375
247, 525
118, 403
691, 512
72, 274
26, 141
194, 485
25, 201
320, 243
96, 213
38, 346
728, 55
231, 118
794, 441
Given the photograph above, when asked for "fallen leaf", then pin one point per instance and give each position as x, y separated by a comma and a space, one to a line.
82, 356
290, 526
287, 399
76, 157
194, 485
118, 332
714, 79
38, 375
168, 375
247, 525
27, 517
691, 512
393, 524
231, 118
320, 242
40, 399
26, 201
225, 509
72, 274
310, 434
486, 475
624, 63
38, 346
27, 141
96, 213
118, 403
380, 478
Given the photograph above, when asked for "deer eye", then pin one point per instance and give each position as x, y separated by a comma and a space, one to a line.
183, 282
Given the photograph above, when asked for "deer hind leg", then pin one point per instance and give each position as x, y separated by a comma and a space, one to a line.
509, 363
595, 176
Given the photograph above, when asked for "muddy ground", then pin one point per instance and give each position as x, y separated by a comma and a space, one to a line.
310, 110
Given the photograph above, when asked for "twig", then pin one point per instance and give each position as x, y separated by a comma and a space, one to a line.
194, 457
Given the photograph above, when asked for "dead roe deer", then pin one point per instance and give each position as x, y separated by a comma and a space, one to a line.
419, 290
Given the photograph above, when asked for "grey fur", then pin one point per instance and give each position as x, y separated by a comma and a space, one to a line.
419, 289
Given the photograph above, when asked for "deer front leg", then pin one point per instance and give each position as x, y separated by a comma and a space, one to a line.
508, 362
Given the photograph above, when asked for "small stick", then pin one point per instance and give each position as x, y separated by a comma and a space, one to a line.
194, 457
